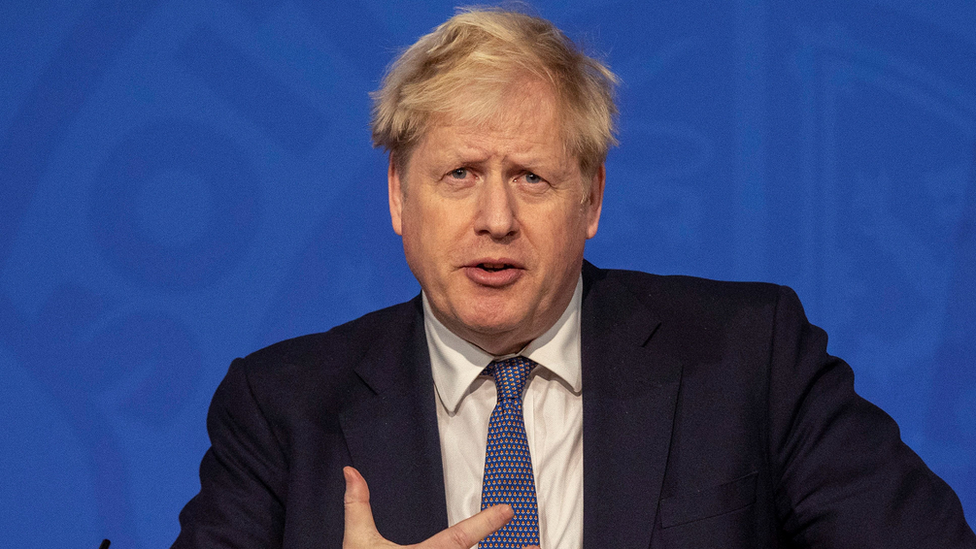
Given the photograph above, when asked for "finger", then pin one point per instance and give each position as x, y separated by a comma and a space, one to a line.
360, 530
470, 531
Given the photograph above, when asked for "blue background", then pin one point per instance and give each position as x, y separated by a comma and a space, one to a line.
183, 182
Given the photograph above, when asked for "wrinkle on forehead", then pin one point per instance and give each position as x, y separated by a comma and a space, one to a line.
525, 105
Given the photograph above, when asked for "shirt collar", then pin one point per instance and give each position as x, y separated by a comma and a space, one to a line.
456, 363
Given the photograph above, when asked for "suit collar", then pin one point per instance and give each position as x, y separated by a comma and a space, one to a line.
630, 389
385, 366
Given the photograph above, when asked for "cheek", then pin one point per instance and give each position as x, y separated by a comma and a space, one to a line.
563, 239
430, 231
575, 223
414, 239
446, 220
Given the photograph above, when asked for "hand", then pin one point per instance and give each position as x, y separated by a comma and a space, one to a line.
360, 532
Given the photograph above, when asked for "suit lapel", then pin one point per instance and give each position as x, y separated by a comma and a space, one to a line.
630, 388
390, 427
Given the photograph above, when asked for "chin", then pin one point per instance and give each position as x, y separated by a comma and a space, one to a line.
490, 326
491, 322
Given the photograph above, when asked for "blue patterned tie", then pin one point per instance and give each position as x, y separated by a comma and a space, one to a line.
508, 467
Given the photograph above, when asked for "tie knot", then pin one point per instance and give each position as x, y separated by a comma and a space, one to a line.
510, 376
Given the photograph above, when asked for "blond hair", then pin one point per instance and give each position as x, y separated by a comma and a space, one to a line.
465, 67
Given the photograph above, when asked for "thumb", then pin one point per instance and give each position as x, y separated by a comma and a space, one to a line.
360, 530
472, 530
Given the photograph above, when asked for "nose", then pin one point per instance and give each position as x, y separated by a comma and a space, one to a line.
496, 215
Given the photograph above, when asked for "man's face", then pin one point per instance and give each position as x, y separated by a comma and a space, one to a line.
494, 219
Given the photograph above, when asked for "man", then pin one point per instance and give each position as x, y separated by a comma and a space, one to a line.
711, 414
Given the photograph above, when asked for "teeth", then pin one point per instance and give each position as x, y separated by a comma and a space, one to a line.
492, 266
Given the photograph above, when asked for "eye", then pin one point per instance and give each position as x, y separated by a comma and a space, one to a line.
459, 173
534, 182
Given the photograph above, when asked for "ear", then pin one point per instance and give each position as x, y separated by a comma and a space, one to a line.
395, 190
594, 202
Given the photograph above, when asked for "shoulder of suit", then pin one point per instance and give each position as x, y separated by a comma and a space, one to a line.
341, 346
689, 296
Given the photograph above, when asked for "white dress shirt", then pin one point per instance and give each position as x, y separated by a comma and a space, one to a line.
553, 410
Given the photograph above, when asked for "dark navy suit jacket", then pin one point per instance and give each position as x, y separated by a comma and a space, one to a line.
712, 417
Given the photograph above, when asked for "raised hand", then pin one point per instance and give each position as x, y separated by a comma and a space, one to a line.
360, 530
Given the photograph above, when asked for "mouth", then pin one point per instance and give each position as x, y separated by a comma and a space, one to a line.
494, 267
495, 273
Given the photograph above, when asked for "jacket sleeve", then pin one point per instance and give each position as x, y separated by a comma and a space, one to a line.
242, 487
845, 478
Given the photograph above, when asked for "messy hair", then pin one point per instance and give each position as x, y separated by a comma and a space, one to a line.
464, 68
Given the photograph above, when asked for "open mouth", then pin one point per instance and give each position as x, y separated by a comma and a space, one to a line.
494, 273
494, 267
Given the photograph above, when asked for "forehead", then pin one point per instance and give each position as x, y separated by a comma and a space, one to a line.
526, 118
